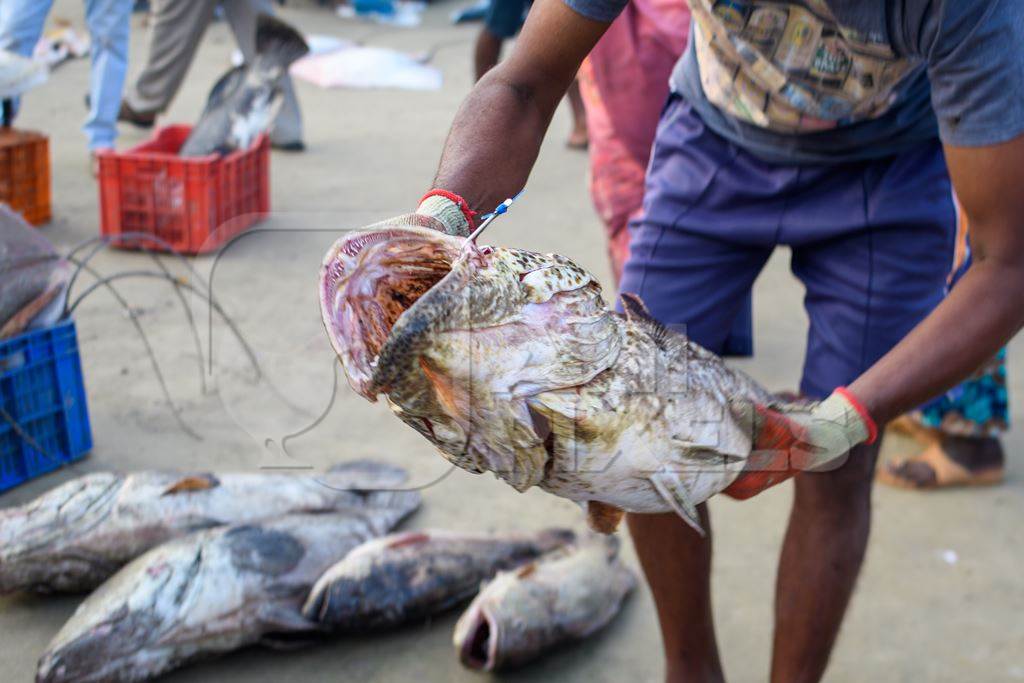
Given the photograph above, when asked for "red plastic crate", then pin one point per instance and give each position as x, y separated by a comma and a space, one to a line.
25, 173
195, 204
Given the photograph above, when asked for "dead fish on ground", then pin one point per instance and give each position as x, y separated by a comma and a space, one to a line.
75, 536
413, 575
566, 595
33, 276
510, 361
211, 592
244, 102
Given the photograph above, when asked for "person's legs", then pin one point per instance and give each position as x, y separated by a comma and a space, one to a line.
578, 135
175, 28
286, 131
21, 25
486, 52
109, 24
867, 287
503, 21
677, 565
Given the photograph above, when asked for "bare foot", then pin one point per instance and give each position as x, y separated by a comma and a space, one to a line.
578, 139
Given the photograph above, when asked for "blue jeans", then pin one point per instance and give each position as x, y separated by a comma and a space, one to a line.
21, 25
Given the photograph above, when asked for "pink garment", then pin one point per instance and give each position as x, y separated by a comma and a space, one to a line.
624, 83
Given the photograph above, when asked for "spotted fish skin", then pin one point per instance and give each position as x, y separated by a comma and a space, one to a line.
511, 362
413, 575
78, 534
211, 592
521, 614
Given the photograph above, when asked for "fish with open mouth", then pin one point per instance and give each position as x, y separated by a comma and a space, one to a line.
565, 595
211, 592
76, 535
511, 362
415, 574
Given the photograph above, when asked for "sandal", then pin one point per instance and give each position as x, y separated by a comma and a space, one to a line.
934, 469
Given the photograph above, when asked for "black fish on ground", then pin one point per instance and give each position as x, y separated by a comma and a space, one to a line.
414, 575
244, 102
33, 276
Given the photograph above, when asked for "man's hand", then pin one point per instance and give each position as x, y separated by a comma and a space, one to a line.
796, 438
451, 211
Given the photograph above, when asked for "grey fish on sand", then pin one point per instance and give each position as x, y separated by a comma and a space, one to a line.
33, 276
413, 575
244, 102
75, 536
566, 595
511, 362
211, 592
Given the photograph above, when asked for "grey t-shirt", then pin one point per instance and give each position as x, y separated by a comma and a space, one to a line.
828, 81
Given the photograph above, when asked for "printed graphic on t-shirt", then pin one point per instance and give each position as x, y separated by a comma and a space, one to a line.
790, 66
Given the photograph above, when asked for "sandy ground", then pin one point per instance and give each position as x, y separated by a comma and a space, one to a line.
916, 616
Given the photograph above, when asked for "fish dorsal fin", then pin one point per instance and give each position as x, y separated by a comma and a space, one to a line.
192, 482
678, 497
636, 311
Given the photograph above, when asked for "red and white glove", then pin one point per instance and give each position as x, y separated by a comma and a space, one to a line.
449, 209
795, 439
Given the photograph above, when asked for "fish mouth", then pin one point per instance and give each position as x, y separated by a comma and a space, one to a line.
479, 647
370, 278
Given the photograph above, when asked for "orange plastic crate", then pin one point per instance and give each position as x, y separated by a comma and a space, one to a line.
25, 173
194, 204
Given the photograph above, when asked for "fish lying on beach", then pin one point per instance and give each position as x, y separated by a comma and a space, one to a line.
510, 361
75, 536
566, 595
413, 575
211, 592
244, 102
33, 276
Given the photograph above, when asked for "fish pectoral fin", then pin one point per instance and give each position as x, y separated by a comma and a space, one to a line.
285, 626
674, 492
602, 517
192, 482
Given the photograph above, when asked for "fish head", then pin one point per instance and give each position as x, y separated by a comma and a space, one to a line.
457, 335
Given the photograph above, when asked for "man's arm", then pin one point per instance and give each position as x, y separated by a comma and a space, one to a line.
984, 310
499, 128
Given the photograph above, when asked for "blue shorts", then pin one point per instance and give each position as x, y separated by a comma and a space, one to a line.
872, 243
505, 17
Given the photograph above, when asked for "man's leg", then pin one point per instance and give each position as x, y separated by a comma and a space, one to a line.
677, 564
286, 131
176, 26
21, 24
821, 559
873, 247
486, 52
109, 24
578, 135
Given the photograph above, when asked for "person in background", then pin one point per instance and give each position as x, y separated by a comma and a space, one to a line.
503, 21
108, 21
176, 27
624, 85
961, 430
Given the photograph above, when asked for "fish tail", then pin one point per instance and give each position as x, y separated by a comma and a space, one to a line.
277, 43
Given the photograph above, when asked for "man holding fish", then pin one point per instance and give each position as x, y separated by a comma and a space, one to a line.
834, 127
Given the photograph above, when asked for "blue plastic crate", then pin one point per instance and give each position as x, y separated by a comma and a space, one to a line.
42, 392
